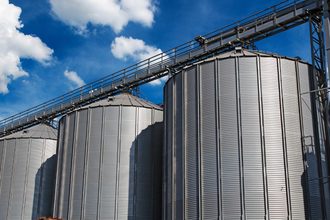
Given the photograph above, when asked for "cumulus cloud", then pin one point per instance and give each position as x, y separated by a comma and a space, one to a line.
15, 45
114, 13
127, 47
158, 82
74, 78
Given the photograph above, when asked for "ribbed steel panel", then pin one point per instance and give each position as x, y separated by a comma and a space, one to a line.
191, 153
292, 136
241, 136
209, 159
314, 198
178, 158
169, 153
27, 173
251, 139
109, 155
229, 146
273, 139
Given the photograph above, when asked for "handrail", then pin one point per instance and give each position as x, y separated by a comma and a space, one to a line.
159, 61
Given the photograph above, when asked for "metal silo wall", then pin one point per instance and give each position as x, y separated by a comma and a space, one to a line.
233, 146
27, 178
318, 186
109, 164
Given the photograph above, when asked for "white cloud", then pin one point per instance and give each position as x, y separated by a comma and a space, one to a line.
15, 45
114, 13
74, 78
124, 48
136, 49
158, 82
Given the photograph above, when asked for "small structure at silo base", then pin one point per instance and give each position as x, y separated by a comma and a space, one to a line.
27, 173
109, 161
234, 147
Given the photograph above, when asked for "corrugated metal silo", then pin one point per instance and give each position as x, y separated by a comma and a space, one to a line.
233, 144
109, 161
314, 148
27, 173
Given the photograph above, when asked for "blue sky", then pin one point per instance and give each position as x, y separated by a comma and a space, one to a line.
77, 39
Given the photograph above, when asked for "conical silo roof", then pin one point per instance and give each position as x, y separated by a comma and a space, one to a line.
123, 99
42, 131
242, 52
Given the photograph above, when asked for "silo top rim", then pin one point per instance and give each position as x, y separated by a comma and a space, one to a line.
123, 99
241, 52
40, 131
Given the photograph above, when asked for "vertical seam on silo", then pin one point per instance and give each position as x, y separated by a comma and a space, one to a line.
218, 136
2, 163
101, 164
136, 152
62, 181
302, 133
186, 145
43, 172
198, 140
64, 165
118, 160
170, 154
52, 194
11, 177
26, 176
173, 151
239, 137
164, 158
153, 149
262, 138
183, 144
59, 170
86, 156
73, 163
40, 197
284, 143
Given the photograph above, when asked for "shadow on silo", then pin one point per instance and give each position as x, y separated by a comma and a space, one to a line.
304, 183
145, 174
44, 187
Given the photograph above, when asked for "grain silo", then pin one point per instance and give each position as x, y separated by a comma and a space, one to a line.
235, 127
109, 161
27, 173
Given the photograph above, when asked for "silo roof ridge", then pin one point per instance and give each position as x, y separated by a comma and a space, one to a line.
42, 131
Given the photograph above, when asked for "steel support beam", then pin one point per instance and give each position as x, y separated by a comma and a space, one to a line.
320, 103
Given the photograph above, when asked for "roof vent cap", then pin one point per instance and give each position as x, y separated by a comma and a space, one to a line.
238, 49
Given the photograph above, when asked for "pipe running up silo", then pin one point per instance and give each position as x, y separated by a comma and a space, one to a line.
27, 173
236, 137
109, 161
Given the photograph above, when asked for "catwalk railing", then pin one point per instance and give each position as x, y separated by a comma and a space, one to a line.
260, 25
